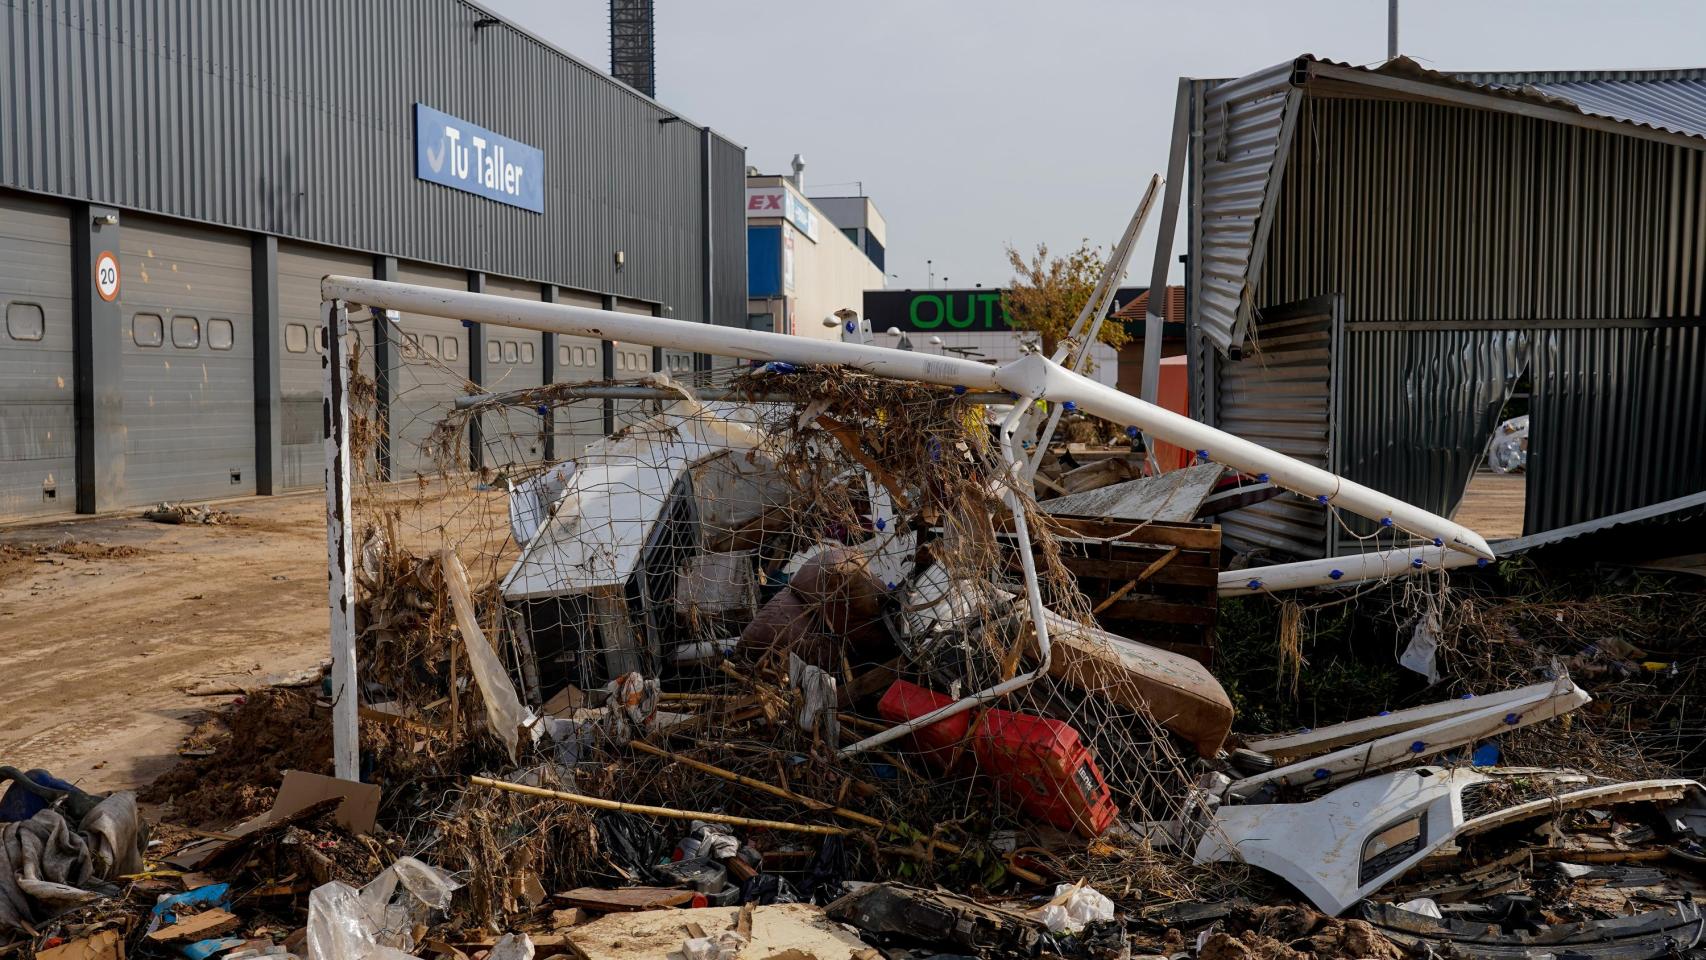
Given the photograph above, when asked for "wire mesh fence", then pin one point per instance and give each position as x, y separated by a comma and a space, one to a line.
729, 581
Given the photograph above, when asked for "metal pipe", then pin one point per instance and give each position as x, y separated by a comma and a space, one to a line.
340, 544
1343, 571
1032, 376
1391, 29
1081, 340
1033, 596
1153, 319
1036, 376
631, 392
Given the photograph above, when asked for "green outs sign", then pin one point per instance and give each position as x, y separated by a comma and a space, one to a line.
946, 311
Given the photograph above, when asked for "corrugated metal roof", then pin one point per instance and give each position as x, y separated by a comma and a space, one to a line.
1673, 101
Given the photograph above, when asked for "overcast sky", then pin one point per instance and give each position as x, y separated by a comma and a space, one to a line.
976, 123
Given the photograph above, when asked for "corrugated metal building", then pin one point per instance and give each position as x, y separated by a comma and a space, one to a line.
1379, 255
221, 157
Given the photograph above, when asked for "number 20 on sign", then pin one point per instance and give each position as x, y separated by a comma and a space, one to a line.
106, 276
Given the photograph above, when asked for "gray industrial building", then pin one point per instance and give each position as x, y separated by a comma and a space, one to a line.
1379, 256
176, 176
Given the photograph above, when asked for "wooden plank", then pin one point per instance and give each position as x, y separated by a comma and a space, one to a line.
1161, 611
1124, 570
202, 926
1191, 536
625, 900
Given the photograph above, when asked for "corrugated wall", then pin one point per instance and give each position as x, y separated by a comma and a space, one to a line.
1280, 396
1417, 407
1420, 212
294, 117
728, 233
1617, 421
1471, 235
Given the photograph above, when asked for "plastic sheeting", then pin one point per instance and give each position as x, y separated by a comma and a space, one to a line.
376, 922
504, 712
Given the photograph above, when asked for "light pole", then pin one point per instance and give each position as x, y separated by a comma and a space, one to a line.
930, 268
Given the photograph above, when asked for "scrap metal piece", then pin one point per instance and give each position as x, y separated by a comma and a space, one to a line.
1542, 701
1174, 496
937, 918
1341, 847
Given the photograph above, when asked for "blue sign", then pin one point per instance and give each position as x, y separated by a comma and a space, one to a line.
457, 154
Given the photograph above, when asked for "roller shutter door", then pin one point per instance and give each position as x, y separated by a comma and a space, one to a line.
188, 345
513, 362
432, 371
301, 381
579, 360
633, 361
37, 408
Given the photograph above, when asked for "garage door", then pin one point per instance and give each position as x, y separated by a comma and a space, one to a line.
633, 361
431, 374
37, 409
188, 363
301, 381
579, 360
513, 362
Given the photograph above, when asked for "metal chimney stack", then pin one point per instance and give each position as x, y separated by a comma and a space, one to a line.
633, 58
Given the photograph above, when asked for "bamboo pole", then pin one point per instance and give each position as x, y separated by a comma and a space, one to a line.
650, 811
809, 803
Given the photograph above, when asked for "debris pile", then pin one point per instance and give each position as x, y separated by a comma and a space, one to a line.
812, 673
186, 513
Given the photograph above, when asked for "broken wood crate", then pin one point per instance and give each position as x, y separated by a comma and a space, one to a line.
1155, 582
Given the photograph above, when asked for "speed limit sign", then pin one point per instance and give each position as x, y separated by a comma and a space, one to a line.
106, 276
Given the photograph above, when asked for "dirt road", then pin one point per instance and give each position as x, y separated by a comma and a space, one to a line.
99, 637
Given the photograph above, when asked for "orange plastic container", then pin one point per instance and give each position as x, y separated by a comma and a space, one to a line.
1041, 762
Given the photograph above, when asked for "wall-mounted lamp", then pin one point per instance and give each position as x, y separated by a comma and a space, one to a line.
107, 219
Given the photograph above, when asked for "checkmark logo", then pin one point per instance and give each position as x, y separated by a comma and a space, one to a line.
436, 160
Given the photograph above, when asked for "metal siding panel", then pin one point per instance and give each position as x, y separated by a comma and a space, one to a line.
188, 411
1240, 136
1417, 407
1617, 415
301, 381
37, 407
1279, 396
282, 117
1423, 214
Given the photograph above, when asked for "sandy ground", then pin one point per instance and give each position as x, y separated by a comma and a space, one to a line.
97, 650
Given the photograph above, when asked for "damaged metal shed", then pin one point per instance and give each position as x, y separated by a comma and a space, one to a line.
1379, 255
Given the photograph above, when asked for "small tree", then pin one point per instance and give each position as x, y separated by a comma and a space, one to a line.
1047, 292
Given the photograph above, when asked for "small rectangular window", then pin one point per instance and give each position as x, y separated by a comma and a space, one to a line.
564, 357
452, 348
320, 339
511, 351
621, 359
526, 351
221, 335
186, 332
429, 343
296, 338
24, 321
494, 351
147, 330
